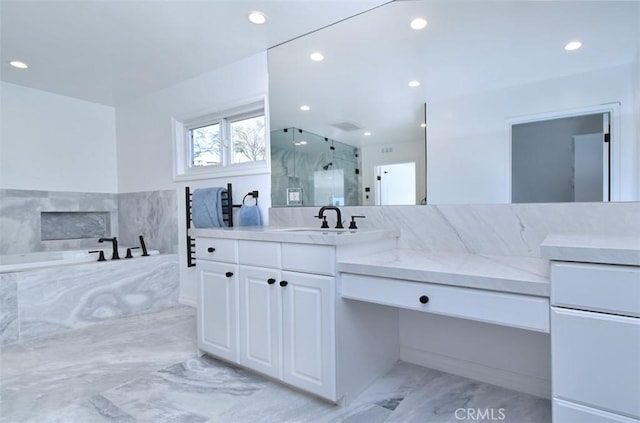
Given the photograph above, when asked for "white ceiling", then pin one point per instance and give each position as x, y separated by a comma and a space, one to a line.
110, 51
469, 46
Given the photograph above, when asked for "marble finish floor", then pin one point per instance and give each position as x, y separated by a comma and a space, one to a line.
146, 369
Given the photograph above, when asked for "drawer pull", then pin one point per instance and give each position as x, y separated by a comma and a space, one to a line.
228, 274
424, 299
211, 249
271, 281
284, 283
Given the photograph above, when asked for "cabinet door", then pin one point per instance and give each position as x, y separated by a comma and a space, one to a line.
261, 320
309, 333
595, 360
218, 311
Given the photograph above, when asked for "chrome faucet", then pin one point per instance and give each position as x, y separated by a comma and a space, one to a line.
324, 218
114, 242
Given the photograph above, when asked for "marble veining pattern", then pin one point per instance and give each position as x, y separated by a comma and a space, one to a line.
60, 298
74, 225
8, 309
145, 369
490, 229
153, 214
524, 275
20, 222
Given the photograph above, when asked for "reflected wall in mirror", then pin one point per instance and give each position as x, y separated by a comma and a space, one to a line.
481, 66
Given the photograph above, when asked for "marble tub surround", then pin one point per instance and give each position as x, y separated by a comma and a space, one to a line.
143, 368
298, 234
9, 332
488, 229
623, 250
153, 214
21, 223
60, 298
521, 275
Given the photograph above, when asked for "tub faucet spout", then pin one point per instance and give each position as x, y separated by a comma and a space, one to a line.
114, 243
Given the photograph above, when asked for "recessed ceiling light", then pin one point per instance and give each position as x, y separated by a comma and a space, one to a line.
573, 45
414, 84
18, 64
423, 125
305, 108
257, 18
316, 56
366, 134
419, 23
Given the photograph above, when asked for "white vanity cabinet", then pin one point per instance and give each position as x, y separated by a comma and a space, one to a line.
274, 314
218, 304
595, 342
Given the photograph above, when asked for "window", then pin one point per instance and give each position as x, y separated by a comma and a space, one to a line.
232, 142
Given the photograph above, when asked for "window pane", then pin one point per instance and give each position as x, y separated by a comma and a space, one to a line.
247, 140
206, 146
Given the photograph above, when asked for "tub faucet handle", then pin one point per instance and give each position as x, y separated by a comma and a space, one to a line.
100, 254
128, 254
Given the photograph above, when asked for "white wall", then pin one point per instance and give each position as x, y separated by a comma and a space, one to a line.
55, 143
468, 142
145, 141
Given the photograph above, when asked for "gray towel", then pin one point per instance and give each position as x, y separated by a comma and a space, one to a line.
250, 216
206, 208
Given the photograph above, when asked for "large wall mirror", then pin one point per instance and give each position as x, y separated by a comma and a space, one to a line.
487, 103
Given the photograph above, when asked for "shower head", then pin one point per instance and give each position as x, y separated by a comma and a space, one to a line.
326, 167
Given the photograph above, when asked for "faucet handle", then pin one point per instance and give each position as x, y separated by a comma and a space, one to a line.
353, 225
324, 225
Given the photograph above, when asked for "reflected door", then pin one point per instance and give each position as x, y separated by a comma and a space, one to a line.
396, 184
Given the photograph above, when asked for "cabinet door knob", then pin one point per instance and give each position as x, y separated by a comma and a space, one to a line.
424, 299
228, 274
211, 249
271, 281
284, 283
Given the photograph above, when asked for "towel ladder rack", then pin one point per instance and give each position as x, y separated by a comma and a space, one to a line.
227, 216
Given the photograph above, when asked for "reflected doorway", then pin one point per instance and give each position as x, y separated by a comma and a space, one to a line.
396, 184
564, 159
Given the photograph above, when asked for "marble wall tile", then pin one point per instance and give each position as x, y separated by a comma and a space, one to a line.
8, 309
152, 214
20, 219
74, 225
67, 297
492, 229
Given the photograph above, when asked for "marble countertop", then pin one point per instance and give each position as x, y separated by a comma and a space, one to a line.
623, 250
297, 235
521, 275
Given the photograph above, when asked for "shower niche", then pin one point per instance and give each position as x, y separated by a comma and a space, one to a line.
311, 170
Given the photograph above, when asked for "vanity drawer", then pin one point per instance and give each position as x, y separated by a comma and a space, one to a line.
309, 258
259, 253
596, 287
594, 360
522, 311
216, 249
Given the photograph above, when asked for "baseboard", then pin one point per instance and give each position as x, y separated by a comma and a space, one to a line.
192, 302
500, 377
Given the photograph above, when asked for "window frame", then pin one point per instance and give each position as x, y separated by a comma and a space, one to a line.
182, 165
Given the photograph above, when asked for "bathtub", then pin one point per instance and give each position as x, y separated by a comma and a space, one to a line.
47, 292
29, 261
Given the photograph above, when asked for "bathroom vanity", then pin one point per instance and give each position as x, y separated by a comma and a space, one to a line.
320, 310
269, 303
